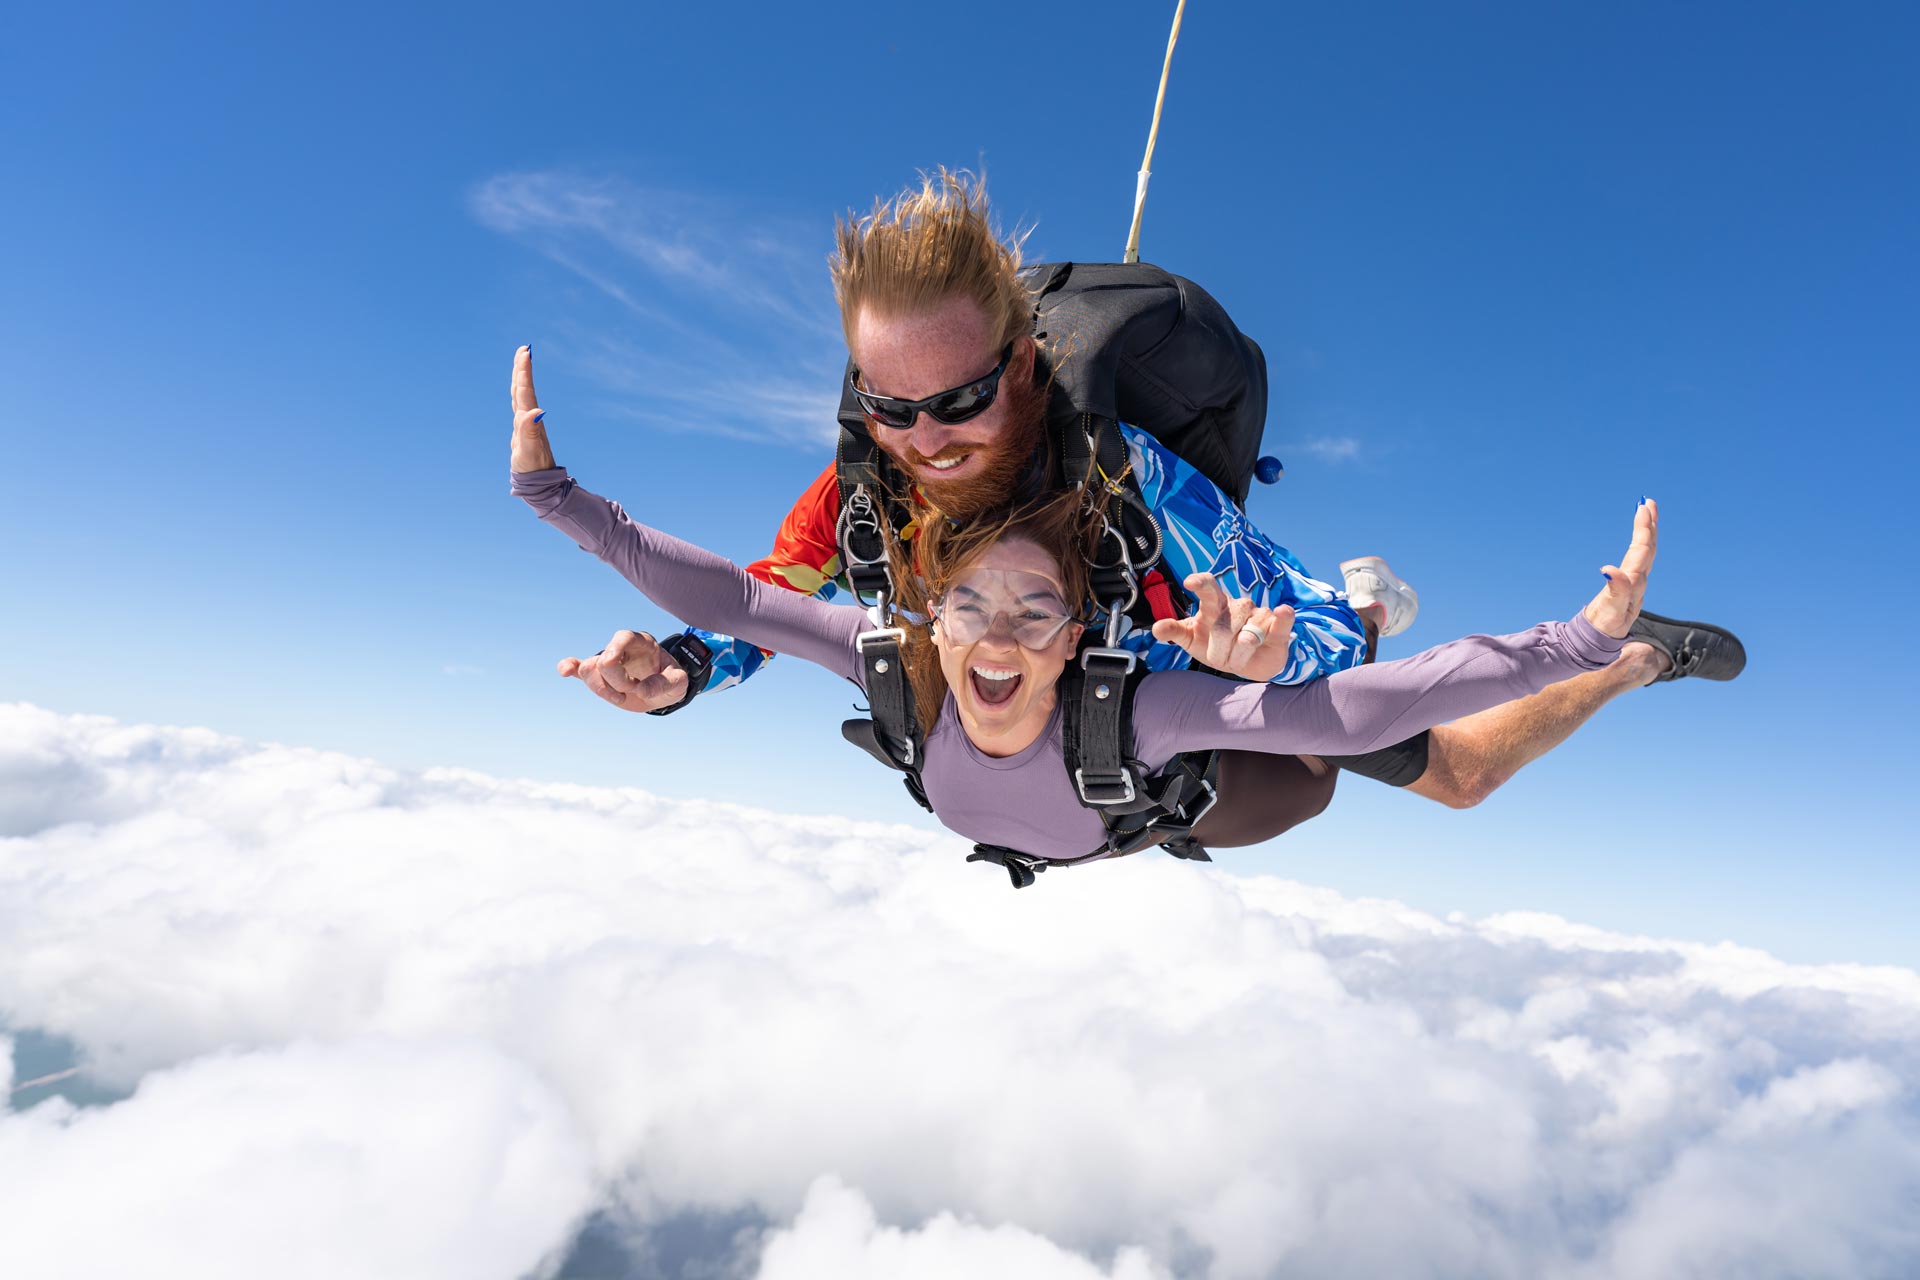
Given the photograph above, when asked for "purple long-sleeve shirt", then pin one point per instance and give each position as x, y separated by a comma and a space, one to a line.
1026, 801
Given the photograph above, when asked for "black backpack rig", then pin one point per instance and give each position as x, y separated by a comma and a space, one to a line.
1124, 343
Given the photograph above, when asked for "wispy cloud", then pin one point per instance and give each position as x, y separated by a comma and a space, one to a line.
1332, 449
456, 1013
710, 299
714, 389
701, 247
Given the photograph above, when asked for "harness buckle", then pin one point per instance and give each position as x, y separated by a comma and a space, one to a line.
1126, 657
1213, 798
1123, 785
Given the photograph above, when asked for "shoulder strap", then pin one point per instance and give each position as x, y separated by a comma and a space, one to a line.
869, 510
1096, 695
1097, 698
893, 736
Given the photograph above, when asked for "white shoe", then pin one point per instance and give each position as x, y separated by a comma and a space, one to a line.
1369, 581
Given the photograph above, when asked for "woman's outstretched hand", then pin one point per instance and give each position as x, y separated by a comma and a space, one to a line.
1235, 637
632, 672
1618, 603
531, 452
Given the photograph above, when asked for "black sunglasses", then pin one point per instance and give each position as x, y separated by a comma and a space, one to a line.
952, 407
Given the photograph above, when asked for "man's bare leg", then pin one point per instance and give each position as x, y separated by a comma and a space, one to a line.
1468, 760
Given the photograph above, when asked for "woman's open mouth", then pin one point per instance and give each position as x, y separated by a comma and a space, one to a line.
993, 685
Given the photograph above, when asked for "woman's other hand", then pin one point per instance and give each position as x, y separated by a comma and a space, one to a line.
1234, 637
531, 452
1618, 603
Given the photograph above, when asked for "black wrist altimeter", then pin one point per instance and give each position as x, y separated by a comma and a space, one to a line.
695, 659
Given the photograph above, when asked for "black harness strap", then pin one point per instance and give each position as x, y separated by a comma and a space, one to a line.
1021, 867
869, 515
1098, 720
893, 735
1097, 735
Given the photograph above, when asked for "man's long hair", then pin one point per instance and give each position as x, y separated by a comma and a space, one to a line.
927, 245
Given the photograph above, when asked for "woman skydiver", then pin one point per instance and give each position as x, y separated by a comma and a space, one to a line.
1004, 601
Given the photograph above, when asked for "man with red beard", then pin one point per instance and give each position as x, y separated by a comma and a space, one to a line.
955, 390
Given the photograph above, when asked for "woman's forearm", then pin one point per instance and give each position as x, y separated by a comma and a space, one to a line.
700, 588
1364, 708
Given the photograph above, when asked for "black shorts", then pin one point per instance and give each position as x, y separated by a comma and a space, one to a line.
1397, 765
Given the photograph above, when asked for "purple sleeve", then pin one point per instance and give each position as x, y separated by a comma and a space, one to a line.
694, 585
1364, 708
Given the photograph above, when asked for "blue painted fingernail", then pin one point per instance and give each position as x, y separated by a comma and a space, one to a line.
1607, 576
539, 415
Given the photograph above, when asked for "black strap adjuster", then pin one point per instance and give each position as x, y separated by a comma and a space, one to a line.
1021, 867
1105, 788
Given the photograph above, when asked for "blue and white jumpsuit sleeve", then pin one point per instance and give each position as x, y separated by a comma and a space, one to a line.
1204, 532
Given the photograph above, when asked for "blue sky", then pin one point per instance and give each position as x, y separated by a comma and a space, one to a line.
1513, 265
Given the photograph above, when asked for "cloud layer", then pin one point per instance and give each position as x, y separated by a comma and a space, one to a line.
450, 1016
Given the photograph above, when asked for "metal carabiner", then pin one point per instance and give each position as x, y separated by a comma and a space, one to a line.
859, 513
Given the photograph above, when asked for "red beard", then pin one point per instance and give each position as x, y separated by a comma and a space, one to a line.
1006, 456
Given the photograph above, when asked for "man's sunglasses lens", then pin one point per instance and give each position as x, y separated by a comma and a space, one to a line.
957, 406
951, 407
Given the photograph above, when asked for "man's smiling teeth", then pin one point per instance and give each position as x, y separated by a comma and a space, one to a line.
948, 465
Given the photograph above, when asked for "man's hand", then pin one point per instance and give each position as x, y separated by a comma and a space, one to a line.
1618, 603
531, 452
1237, 637
632, 672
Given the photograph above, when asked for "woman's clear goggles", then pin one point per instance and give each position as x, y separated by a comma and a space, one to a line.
1024, 606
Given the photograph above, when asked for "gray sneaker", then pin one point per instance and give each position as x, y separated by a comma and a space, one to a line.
1697, 649
1369, 581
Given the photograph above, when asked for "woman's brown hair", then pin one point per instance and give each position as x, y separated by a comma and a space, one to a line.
1062, 524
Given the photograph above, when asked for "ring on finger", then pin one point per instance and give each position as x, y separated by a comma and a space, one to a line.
1259, 636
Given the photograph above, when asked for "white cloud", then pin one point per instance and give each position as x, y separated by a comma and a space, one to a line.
836, 1234
1330, 448
837, 1028
367, 1158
